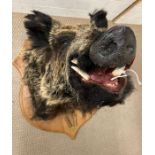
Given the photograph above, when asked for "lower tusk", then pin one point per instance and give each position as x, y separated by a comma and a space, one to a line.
120, 76
81, 72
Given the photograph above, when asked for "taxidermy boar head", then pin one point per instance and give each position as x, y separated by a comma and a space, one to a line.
74, 67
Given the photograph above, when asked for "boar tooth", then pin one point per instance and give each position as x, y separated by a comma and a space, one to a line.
120, 76
74, 61
118, 71
81, 72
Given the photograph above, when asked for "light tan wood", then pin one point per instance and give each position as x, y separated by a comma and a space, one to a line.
65, 123
132, 15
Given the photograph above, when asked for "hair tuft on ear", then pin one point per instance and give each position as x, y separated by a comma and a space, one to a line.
98, 17
38, 26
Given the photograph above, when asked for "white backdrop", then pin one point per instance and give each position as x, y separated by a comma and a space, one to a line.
72, 8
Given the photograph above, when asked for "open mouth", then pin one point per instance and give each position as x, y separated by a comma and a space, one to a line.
111, 79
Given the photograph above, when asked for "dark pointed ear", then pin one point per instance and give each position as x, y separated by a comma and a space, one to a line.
38, 26
98, 18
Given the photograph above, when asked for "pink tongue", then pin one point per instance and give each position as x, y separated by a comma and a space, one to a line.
102, 77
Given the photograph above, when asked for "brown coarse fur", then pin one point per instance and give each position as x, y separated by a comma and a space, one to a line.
48, 75
45, 72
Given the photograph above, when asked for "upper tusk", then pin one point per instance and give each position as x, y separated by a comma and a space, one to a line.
74, 61
81, 72
119, 71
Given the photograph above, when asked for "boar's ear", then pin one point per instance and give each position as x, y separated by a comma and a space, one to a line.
38, 26
98, 18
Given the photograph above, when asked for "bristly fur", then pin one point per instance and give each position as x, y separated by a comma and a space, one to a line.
53, 86
38, 26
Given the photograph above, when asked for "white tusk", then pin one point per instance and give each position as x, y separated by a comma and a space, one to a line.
119, 71
120, 76
74, 61
81, 72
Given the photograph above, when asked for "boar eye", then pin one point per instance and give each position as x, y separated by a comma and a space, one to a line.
65, 37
